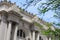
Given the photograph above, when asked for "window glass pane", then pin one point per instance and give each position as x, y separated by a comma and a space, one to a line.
18, 33
21, 32
40, 38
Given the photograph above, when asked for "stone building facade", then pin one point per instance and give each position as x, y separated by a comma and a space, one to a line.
17, 24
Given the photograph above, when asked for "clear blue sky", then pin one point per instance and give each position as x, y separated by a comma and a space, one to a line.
33, 9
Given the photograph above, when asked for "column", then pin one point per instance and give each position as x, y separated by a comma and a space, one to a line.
3, 27
37, 36
9, 30
15, 33
49, 38
30, 35
5, 36
33, 35
26, 38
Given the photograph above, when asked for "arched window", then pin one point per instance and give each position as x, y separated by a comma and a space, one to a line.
21, 33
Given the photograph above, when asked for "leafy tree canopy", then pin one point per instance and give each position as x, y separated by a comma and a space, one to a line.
51, 5
48, 5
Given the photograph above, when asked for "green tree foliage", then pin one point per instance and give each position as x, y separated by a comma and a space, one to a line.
54, 34
51, 5
37, 24
43, 31
30, 3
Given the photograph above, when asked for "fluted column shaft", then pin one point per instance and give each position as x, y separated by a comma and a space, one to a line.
9, 30
49, 38
3, 27
37, 36
33, 35
30, 35
15, 33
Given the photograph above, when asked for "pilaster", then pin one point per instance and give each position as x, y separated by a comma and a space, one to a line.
9, 30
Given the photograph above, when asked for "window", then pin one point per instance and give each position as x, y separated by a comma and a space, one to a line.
21, 33
40, 38
18, 33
